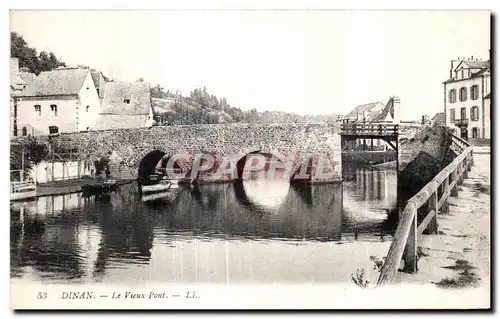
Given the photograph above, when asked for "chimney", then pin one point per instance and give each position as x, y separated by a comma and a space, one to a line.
14, 66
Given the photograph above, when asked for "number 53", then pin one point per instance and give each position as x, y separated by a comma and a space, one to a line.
42, 295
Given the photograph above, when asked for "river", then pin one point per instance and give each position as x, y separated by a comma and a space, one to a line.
257, 231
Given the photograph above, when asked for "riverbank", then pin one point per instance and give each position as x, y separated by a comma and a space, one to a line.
65, 186
459, 256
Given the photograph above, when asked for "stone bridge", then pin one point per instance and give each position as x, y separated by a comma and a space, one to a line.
137, 152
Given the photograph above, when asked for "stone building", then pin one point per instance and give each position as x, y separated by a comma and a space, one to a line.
57, 101
466, 108
125, 105
20, 78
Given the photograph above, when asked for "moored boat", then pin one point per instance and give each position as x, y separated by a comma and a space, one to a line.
97, 186
156, 183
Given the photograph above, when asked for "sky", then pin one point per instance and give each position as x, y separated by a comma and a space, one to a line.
300, 61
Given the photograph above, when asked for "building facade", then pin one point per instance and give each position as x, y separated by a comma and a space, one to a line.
125, 105
466, 102
58, 101
20, 78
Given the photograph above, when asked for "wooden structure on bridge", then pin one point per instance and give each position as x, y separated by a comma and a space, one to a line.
387, 132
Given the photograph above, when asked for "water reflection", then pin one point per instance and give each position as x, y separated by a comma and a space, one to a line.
205, 233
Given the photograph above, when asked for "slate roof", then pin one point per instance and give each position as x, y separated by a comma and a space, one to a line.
475, 64
483, 65
370, 108
99, 82
439, 118
117, 92
61, 81
381, 116
27, 77
116, 113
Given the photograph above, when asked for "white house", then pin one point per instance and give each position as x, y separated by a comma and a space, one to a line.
466, 102
57, 101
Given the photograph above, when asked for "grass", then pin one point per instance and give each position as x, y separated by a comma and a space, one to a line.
481, 188
461, 236
465, 278
460, 264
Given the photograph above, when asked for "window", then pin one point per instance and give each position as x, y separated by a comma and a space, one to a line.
463, 94
474, 92
53, 110
452, 115
126, 101
38, 110
452, 96
474, 132
87, 108
463, 113
474, 113
25, 131
462, 73
53, 130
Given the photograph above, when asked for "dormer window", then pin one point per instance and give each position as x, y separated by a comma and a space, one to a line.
126, 101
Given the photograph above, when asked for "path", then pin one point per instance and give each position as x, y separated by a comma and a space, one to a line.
459, 256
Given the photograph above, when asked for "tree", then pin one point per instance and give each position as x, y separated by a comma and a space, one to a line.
28, 57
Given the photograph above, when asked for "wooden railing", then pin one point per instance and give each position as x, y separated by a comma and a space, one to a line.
360, 129
433, 199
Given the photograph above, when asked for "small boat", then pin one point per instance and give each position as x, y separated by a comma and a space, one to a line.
156, 183
96, 186
159, 196
23, 188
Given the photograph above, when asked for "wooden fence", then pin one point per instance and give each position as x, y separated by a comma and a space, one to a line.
431, 199
361, 129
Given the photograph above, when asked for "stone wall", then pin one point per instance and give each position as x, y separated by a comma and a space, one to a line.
224, 141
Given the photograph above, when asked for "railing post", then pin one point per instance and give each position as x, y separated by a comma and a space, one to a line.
446, 192
469, 166
432, 206
466, 166
410, 254
454, 190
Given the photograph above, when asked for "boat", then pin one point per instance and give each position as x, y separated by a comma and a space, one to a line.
157, 183
23, 188
161, 196
99, 186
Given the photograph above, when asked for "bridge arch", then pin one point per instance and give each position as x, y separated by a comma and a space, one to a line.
243, 160
152, 160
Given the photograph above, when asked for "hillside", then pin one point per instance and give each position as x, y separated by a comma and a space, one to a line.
178, 110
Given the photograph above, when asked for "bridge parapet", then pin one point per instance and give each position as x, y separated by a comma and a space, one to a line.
226, 141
